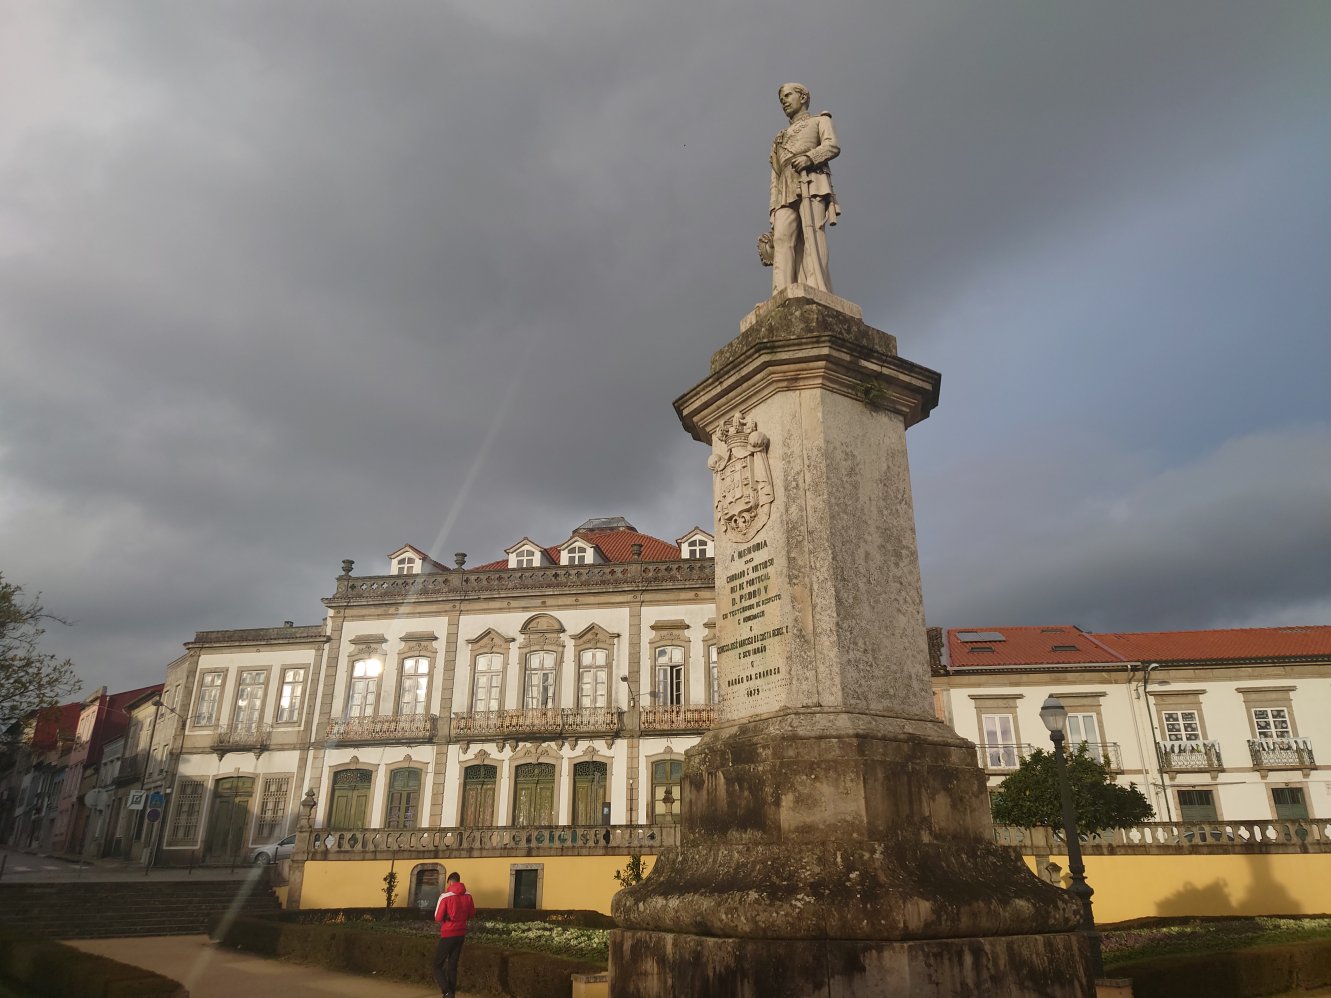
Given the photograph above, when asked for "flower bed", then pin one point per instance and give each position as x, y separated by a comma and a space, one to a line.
1154, 937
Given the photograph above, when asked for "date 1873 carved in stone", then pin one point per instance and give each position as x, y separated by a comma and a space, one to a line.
742, 477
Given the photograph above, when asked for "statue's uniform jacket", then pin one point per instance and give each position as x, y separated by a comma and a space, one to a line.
813, 136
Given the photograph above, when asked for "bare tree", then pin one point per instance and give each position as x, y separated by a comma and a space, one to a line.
29, 678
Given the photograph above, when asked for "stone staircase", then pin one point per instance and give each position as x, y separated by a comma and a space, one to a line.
118, 908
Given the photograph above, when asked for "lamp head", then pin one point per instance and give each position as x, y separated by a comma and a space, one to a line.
1054, 714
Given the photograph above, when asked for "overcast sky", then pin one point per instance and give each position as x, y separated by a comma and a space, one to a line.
284, 282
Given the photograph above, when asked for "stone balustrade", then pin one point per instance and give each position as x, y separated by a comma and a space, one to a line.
1258, 835
639, 575
1282, 753
542, 840
401, 728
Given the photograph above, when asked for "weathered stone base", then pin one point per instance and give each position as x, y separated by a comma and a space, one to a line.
659, 964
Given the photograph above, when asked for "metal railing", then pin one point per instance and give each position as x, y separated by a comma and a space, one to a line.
535, 722
1282, 753
1002, 757
403, 728
678, 718
1183, 756
238, 737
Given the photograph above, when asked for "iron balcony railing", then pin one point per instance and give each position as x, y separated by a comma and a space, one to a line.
1282, 753
536, 722
678, 718
242, 736
1003, 757
402, 728
1182, 756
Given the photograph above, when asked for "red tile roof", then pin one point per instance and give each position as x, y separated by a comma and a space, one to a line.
1236, 643
1053, 645
615, 545
1066, 644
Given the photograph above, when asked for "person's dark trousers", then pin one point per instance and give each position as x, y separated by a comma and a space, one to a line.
446, 963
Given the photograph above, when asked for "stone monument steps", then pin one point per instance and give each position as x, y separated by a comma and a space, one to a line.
117, 908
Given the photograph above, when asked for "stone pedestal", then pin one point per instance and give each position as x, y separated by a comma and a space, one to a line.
836, 837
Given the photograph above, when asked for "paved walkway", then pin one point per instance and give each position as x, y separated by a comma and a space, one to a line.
210, 971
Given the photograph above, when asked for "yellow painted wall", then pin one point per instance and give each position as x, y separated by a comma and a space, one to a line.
1142, 886
1125, 886
567, 881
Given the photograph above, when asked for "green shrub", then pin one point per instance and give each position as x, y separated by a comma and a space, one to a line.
1256, 970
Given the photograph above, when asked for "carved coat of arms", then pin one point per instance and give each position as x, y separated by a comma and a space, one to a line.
743, 478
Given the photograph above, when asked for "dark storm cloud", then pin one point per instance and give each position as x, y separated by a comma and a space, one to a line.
283, 284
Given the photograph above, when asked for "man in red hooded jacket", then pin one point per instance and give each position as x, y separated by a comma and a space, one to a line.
454, 909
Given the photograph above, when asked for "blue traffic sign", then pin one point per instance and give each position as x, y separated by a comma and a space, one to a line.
156, 799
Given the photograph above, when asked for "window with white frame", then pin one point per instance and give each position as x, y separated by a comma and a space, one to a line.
539, 691
526, 558
578, 554
1181, 725
1000, 741
489, 674
249, 700
1085, 729
713, 675
365, 673
670, 676
593, 678
415, 681
210, 691
406, 565
290, 696
699, 547
1271, 722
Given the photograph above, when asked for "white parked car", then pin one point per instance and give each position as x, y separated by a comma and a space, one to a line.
277, 850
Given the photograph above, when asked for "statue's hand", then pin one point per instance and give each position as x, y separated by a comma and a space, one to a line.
801, 162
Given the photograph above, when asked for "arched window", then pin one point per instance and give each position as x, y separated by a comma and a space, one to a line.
589, 780
540, 684
666, 776
534, 794
478, 796
404, 797
349, 803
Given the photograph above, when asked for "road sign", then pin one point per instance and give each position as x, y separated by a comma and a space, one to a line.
154, 814
156, 799
136, 798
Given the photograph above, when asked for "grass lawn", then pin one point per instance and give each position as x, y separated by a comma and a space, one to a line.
1140, 942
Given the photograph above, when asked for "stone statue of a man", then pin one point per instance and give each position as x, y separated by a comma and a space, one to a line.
802, 202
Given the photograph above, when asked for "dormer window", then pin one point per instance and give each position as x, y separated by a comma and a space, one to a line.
697, 543
578, 554
406, 565
526, 558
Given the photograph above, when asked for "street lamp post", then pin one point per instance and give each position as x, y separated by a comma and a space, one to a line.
1055, 718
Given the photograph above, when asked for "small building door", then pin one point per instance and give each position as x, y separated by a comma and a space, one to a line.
228, 818
525, 883
350, 803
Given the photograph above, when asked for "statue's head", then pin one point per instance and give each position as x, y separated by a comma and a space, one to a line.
794, 96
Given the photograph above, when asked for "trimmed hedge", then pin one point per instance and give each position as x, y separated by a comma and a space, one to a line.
59, 971
1240, 973
575, 917
484, 969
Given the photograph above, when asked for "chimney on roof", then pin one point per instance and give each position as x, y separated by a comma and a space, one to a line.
460, 558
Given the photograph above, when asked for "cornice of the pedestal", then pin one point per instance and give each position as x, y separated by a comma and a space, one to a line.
799, 342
